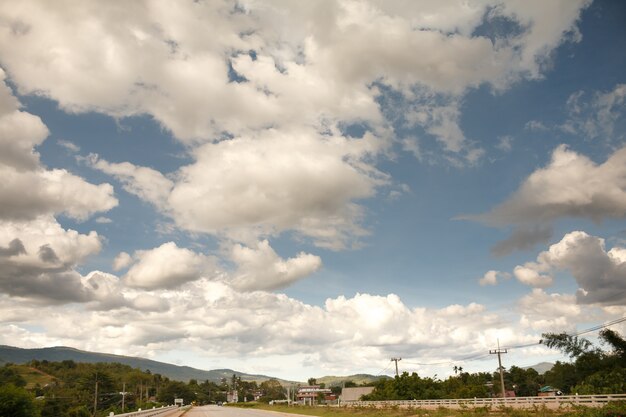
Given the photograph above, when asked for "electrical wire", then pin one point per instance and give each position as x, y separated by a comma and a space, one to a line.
589, 330
386, 367
481, 356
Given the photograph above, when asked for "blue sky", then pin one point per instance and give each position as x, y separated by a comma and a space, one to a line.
302, 190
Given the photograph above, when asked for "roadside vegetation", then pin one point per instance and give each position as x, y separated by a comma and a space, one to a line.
592, 371
617, 409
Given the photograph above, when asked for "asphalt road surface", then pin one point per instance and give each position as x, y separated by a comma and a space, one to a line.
215, 411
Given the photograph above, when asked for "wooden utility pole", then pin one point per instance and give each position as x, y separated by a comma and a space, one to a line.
95, 397
123, 395
396, 361
499, 352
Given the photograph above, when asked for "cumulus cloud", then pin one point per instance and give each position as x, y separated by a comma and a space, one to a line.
121, 261
492, 277
308, 65
38, 258
363, 328
146, 183
277, 182
167, 266
261, 268
571, 185
529, 275
600, 274
49, 191
269, 183
551, 312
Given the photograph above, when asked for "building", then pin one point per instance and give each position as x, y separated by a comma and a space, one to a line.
355, 393
232, 396
311, 394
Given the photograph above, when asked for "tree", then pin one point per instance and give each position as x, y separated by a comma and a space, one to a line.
570, 345
617, 342
16, 402
176, 389
312, 381
9, 375
272, 390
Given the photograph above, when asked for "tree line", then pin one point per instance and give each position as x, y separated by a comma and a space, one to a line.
87, 389
592, 370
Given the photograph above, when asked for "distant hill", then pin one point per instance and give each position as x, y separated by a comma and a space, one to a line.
180, 373
358, 379
541, 367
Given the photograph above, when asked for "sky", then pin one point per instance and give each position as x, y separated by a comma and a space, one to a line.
301, 189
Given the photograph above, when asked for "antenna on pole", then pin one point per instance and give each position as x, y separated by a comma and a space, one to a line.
499, 352
396, 361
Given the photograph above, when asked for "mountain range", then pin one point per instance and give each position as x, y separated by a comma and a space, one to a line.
10, 354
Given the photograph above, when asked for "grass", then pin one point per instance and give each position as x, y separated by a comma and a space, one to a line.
616, 409
33, 376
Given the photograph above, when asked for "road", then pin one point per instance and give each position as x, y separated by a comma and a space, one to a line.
215, 411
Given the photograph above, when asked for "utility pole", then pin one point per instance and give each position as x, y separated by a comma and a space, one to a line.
123, 395
396, 361
498, 352
95, 397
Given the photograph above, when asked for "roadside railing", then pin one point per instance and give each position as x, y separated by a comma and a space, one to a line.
147, 413
517, 402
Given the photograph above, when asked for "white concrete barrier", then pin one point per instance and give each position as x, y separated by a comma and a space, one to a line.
147, 413
515, 402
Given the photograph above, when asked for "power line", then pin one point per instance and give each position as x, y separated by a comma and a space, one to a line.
589, 330
593, 329
482, 355
384, 369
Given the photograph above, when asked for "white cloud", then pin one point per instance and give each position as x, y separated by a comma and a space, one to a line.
38, 258
277, 182
49, 191
52, 191
600, 274
311, 65
69, 146
121, 261
505, 143
551, 312
597, 117
265, 184
492, 277
146, 183
571, 185
167, 266
529, 275
362, 331
261, 268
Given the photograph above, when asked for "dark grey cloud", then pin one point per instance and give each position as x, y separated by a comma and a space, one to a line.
47, 254
522, 238
56, 285
16, 247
